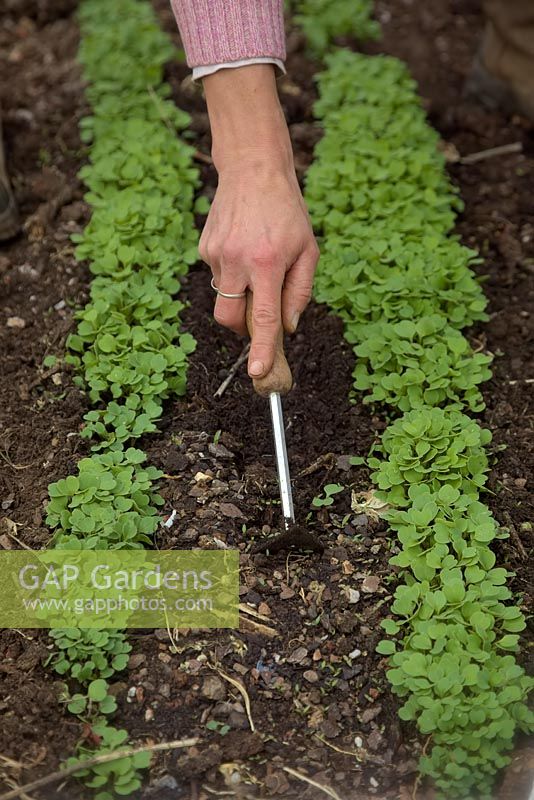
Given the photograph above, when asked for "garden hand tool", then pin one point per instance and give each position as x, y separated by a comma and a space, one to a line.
275, 384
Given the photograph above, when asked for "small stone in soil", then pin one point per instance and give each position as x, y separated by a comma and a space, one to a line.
165, 782
15, 322
175, 462
374, 740
353, 595
286, 593
220, 451
370, 713
298, 655
230, 510
213, 688
136, 660
370, 584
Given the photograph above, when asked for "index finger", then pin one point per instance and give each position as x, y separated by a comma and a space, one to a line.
266, 324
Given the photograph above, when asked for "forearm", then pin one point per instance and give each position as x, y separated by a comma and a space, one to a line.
247, 122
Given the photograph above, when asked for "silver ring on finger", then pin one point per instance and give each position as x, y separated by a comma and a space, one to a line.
228, 295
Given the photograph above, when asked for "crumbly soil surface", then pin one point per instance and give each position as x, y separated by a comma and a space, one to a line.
305, 651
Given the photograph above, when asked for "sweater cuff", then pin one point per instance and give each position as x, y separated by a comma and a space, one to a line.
224, 31
209, 69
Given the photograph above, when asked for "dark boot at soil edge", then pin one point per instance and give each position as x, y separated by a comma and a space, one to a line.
9, 218
502, 76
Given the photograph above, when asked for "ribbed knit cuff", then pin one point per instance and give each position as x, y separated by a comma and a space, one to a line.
209, 69
217, 31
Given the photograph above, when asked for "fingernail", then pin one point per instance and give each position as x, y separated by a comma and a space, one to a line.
295, 321
256, 368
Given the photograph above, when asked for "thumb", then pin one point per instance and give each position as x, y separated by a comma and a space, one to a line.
298, 286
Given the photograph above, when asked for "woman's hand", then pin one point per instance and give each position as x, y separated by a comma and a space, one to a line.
258, 235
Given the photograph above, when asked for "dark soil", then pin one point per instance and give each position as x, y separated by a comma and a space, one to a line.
41, 96
305, 649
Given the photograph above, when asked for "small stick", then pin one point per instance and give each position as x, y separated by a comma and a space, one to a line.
11, 782
246, 609
199, 156
60, 774
523, 380
11, 763
357, 756
226, 382
502, 150
17, 540
326, 460
326, 789
417, 777
242, 691
252, 626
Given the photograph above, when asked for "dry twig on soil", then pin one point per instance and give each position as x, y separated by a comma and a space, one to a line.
492, 152
233, 369
242, 691
326, 789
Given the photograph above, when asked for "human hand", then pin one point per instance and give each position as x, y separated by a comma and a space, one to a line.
258, 235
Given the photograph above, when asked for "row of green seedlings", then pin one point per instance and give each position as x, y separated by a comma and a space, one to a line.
128, 351
383, 206
322, 21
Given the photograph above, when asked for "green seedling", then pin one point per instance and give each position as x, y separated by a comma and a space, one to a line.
330, 490
84, 654
118, 777
431, 447
324, 20
95, 702
219, 727
111, 503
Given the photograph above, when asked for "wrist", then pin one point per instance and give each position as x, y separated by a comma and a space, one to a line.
265, 158
249, 131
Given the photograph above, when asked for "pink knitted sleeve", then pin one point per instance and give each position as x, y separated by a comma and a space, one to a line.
219, 31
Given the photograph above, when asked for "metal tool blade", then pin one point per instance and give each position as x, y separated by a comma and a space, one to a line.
282, 463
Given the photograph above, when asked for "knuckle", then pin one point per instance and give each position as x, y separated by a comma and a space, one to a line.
265, 317
209, 250
231, 252
214, 250
264, 256
203, 251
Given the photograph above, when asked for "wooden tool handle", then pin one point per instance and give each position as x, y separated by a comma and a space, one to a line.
279, 378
